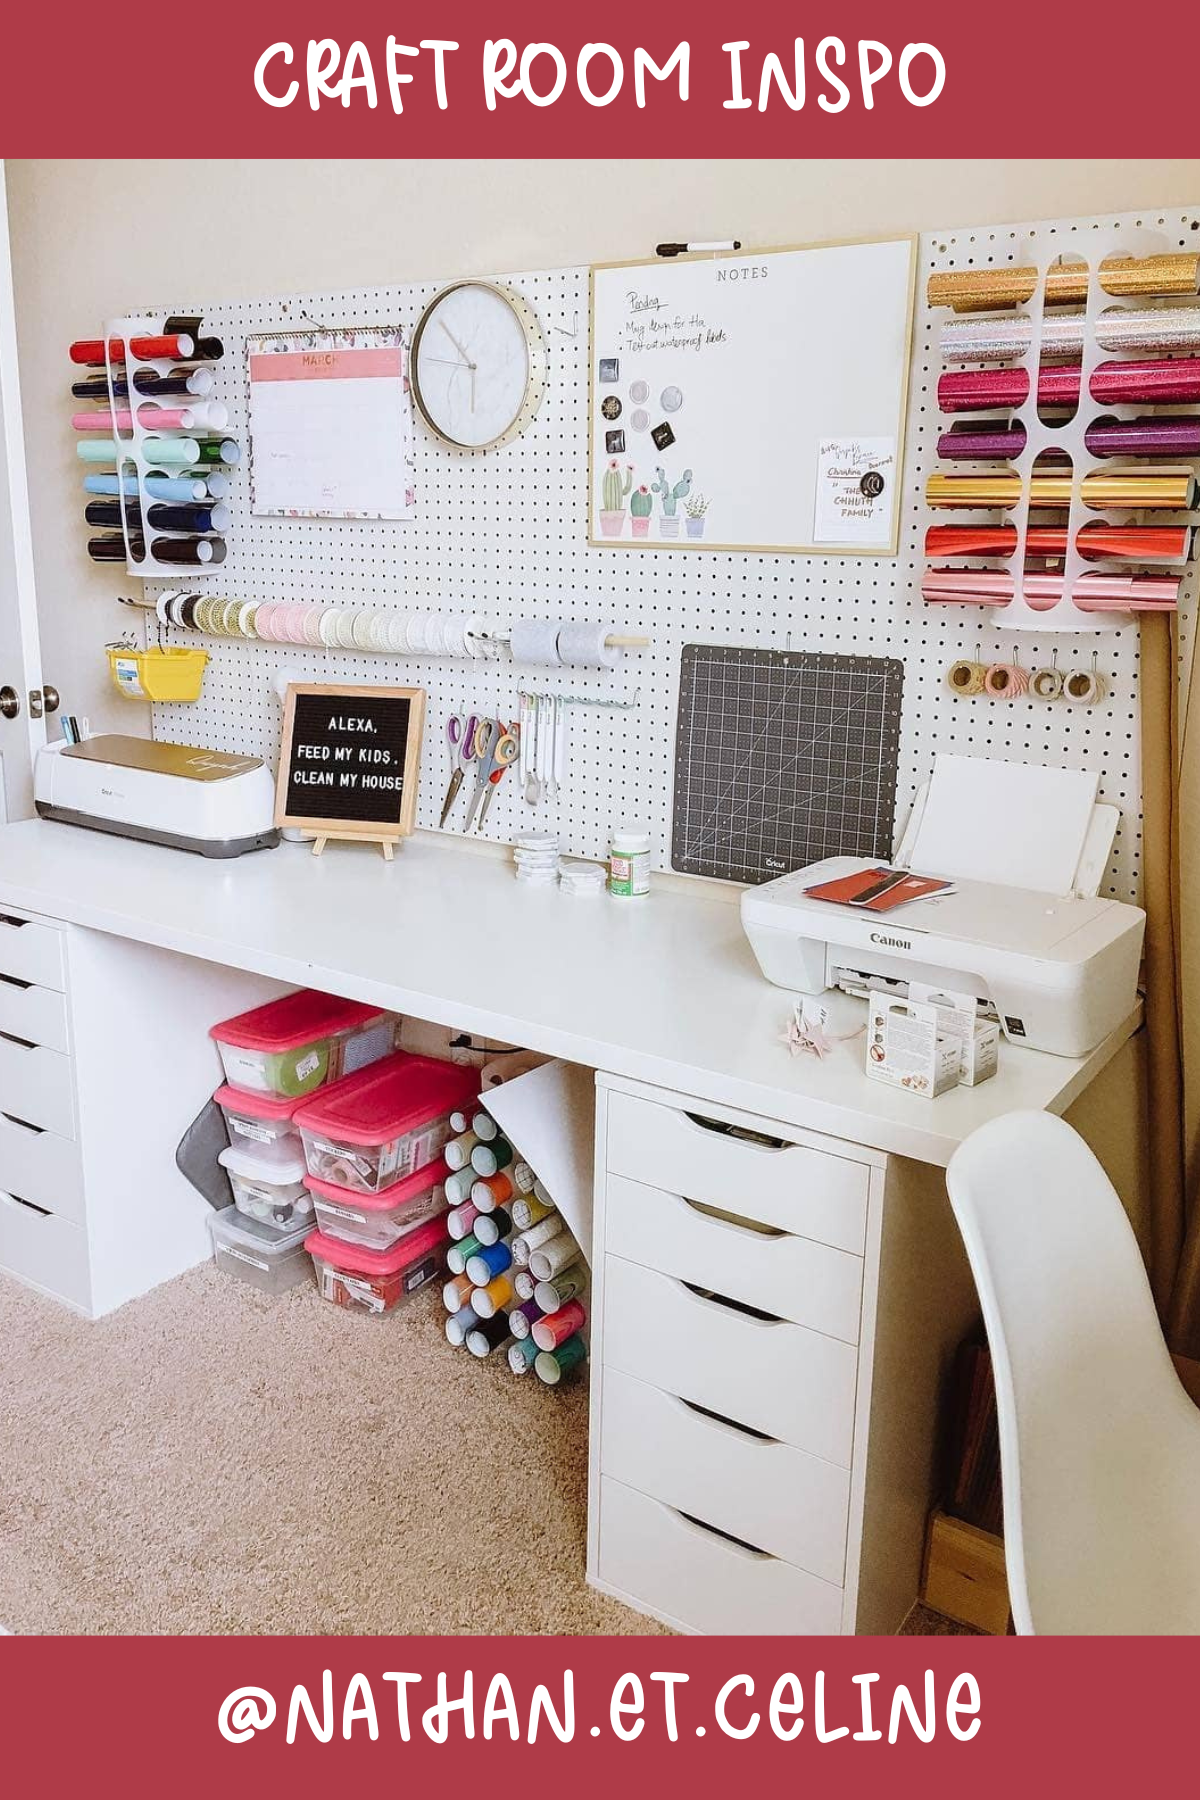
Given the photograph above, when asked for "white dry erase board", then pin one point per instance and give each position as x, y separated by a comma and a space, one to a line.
330, 425
752, 401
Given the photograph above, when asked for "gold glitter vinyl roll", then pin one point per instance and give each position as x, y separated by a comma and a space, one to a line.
1171, 491
1125, 277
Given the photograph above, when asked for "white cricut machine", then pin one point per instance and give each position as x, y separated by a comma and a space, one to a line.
1058, 968
176, 794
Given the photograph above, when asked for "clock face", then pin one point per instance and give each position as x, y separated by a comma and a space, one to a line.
476, 365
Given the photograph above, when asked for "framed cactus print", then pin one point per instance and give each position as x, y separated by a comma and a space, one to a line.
737, 368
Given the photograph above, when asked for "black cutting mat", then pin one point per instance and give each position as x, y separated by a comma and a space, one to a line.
781, 758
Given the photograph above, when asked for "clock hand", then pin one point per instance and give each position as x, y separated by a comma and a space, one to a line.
456, 343
448, 362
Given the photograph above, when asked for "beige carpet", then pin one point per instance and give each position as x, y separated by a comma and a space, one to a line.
210, 1460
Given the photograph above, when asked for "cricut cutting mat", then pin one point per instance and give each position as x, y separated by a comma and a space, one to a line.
783, 758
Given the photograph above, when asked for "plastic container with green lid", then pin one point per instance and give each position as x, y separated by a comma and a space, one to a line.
296, 1044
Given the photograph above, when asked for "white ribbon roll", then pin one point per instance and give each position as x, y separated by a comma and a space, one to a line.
585, 644
535, 641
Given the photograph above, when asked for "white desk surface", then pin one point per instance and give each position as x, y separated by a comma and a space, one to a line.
664, 990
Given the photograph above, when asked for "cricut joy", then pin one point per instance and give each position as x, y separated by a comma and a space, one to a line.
174, 794
1056, 964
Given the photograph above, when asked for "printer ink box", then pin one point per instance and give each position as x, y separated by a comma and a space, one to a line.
906, 1047
978, 1039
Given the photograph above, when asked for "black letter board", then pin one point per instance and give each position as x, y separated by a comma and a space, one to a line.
348, 760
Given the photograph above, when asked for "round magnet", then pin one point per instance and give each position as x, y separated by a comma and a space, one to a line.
610, 406
671, 399
639, 392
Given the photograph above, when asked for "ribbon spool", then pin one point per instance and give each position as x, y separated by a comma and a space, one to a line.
1085, 687
1005, 681
965, 677
1047, 684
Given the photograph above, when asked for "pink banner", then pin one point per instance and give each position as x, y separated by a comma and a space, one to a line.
328, 365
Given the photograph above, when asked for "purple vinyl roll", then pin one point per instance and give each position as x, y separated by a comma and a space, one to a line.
982, 441
1144, 437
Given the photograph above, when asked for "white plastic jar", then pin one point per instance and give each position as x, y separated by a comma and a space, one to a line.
628, 863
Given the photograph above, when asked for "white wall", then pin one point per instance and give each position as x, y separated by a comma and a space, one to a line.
91, 239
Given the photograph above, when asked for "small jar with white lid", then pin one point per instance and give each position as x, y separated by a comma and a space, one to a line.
628, 863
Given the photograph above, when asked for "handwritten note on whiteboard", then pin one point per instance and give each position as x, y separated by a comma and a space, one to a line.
856, 490
715, 381
331, 425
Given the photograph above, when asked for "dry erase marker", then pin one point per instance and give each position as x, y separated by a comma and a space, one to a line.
696, 249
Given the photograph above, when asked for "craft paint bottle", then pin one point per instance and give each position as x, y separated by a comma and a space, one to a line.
458, 1324
186, 489
107, 514
457, 1254
485, 1127
552, 1365
490, 1191
522, 1318
548, 1259
165, 517
185, 550
489, 1158
522, 1177
522, 1353
488, 1335
458, 1151
523, 1284
529, 1210
180, 381
493, 1298
488, 1260
491, 1227
554, 1329
218, 450
629, 863
568, 1285
456, 1293
462, 1220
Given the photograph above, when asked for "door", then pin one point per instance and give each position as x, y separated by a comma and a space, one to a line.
22, 726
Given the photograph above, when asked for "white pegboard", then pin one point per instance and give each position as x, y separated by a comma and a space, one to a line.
504, 533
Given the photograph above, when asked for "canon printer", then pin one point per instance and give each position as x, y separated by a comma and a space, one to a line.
176, 794
1058, 970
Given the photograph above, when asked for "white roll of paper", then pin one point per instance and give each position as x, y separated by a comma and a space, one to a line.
536, 641
584, 644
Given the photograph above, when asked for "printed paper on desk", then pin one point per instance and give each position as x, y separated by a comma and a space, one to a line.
1015, 824
331, 425
856, 478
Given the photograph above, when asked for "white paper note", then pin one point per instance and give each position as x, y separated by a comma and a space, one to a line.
856, 481
1016, 824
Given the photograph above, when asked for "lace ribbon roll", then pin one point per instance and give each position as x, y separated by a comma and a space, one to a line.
535, 641
1046, 684
585, 644
1085, 687
1005, 681
965, 677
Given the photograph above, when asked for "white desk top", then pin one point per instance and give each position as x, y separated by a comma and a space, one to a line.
663, 990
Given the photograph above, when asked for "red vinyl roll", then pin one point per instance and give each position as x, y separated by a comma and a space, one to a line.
1139, 543
173, 346
1156, 383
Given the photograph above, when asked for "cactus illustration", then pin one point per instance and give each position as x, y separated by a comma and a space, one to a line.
671, 496
613, 491
641, 505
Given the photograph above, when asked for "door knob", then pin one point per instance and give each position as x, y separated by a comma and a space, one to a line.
35, 703
51, 698
10, 702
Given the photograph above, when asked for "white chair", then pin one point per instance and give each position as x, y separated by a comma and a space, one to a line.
1099, 1444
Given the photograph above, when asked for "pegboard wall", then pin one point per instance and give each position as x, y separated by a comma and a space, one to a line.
504, 533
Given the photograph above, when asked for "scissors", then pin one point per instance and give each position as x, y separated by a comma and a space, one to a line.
467, 739
502, 749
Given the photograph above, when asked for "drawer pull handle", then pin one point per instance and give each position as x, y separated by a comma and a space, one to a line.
755, 1140
21, 1043
12, 919
12, 981
708, 1298
750, 1551
37, 1130
721, 1420
43, 1212
733, 1221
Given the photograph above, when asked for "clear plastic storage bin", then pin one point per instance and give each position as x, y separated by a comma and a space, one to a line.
380, 1127
258, 1118
268, 1259
380, 1220
376, 1281
268, 1182
295, 1045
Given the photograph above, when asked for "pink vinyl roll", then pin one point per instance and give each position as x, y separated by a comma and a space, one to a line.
165, 418
1091, 593
102, 421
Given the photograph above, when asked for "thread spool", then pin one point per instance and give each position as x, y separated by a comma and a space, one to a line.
548, 1259
458, 1151
1085, 687
966, 678
1005, 681
456, 1293
1047, 683
490, 1191
552, 1365
462, 1219
523, 1318
489, 1159
487, 1262
494, 1298
458, 1324
459, 1254
522, 1353
554, 1329
487, 1335
528, 1210
491, 1227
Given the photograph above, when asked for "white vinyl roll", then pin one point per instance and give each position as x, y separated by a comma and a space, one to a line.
584, 644
536, 641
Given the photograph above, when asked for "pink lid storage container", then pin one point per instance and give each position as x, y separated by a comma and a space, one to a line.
380, 1220
376, 1281
294, 1045
258, 1118
379, 1127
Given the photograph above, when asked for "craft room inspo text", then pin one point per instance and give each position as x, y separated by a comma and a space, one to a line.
837, 75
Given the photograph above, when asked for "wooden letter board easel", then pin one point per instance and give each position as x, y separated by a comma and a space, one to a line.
348, 763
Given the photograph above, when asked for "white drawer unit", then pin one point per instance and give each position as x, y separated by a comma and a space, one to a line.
701, 1581
32, 951
36, 1015
800, 1189
773, 1376
794, 1277
755, 1488
44, 1248
37, 1085
774, 1314
40, 1166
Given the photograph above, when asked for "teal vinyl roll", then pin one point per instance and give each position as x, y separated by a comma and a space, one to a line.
171, 453
96, 450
